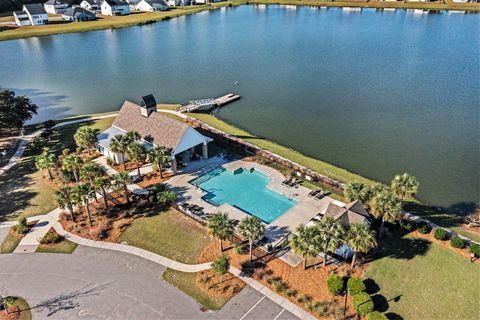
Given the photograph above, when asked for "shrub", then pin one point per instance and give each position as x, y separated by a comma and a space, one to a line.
335, 284
475, 249
291, 293
406, 224
66, 176
239, 248
50, 237
375, 315
363, 303
440, 234
280, 286
355, 285
424, 228
304, 298
457, 242
21, 226
221, 265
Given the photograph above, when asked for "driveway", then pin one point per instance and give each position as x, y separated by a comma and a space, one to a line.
100, 284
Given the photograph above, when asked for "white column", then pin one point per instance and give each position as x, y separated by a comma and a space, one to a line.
174, 166
205, 151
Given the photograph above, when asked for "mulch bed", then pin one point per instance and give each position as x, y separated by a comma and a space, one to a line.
107, 224
13, 315
310, 282
217, 286
153, 178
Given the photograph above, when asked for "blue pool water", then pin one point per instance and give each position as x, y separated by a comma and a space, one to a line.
245, 190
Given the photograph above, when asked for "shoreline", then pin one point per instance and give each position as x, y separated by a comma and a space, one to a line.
143, 18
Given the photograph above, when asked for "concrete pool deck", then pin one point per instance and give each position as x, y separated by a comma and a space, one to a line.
301, 213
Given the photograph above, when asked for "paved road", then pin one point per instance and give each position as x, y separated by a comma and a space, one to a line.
100, 284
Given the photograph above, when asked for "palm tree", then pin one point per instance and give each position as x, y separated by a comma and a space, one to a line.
82, 193
46, 161
405, 186
375, 189
85, 137
137, 153
356, 191
360, 239
122, 179
73, 163
89, 172
103, 184
132, 136
304, 243
220, 227
65, 199
385, 206
331, 236
251, 228
119, 144
158, 156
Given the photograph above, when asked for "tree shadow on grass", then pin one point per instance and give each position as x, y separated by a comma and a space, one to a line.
402, 248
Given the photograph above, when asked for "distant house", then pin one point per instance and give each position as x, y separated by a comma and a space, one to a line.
178, 3
78, 14
152, 5
32, 14
115, 8
55, 6
155, 128
92, 5
133, 4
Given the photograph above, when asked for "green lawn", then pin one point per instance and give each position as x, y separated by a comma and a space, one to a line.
24, 192
168, 233
10, 242
64, 246
429, 281
314, 164
186, 283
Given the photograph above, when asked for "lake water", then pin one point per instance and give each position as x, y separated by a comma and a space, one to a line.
377, 93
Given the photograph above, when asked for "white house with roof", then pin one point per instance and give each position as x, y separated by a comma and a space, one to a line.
78, 14
156, 129
55, 6
92, 5
32, 14
115, 8
152, 5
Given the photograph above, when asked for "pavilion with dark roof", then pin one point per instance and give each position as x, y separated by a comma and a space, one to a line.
155, 129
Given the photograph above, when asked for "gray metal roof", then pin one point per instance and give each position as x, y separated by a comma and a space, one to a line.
105, 137
78, 11
35, 8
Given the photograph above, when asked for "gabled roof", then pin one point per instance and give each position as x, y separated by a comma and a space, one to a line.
157, 128
54, 2
351, 213
78, 11
152, 2
116, 3
35, 8
93, 2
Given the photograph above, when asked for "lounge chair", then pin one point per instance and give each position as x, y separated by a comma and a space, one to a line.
313, 193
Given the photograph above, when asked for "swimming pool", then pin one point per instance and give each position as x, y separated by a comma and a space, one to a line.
246, 190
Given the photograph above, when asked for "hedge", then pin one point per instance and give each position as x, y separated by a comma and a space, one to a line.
375, 315
363, 303
475, 249
424, 228
458, 242
440, 234
335, 284
355, 285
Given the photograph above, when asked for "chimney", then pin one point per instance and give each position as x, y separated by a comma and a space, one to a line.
148, 105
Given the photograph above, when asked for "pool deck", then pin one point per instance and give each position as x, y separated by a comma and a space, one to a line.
301, 213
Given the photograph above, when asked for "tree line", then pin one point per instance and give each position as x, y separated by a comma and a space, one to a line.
14, 5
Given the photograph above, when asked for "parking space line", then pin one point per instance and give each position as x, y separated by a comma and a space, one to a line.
279, 314
256, 304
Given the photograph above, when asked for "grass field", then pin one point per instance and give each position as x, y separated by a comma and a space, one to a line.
10, 242
186, 283
428, 280
24, 191
104, 22
64, 246
314, 164
168, 233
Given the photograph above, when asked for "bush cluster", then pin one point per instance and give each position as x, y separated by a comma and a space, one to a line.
458, 242
475, 249
376, 315
440, 234
355, 285
363, 303
335, 284
406, 224
424, 228
21, 226
50, 237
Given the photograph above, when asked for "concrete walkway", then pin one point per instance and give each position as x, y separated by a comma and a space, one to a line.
26, 139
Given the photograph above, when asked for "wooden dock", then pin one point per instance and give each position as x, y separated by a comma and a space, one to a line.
206, 104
